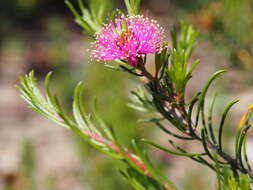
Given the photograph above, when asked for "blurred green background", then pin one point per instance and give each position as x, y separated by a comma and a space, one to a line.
41, 35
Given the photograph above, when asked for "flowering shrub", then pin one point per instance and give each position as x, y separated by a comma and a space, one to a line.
125, 41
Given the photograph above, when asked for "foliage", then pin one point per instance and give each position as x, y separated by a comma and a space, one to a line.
231, 182
95, 132
92, 17
164, 95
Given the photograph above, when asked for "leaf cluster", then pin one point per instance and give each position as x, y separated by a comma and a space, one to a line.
167, 90
93, 130
91, 17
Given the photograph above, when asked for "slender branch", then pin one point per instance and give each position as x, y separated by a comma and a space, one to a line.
185, 122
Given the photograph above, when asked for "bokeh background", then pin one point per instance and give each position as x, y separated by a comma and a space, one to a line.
41, 35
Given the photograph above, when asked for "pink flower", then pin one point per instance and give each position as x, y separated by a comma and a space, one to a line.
127, 39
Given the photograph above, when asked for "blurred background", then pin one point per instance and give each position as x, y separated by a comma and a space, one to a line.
41, 35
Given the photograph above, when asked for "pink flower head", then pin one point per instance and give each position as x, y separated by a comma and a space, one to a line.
127, 39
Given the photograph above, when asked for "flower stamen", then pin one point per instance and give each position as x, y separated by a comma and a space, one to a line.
127, 39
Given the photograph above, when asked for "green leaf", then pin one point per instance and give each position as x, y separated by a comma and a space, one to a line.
87, 21
224, 115
210, 121
78, 111
147, 162
202, 97
133, 7
168, 150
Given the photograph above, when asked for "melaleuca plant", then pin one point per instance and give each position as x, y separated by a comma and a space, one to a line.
123, 42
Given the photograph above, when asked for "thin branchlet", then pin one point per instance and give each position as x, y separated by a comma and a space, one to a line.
181, 119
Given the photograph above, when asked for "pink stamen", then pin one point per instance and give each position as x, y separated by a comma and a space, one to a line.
127, 39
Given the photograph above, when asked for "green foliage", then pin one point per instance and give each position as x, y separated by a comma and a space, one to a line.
170, 89
133, 7
230, 182
183, 46
161, 60
165, 99
141, 102
92, 17
50, 108
90, 128
140, 182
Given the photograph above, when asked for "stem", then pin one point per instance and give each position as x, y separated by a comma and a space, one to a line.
185, 121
